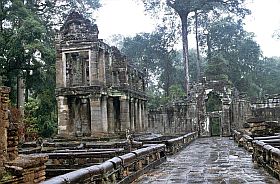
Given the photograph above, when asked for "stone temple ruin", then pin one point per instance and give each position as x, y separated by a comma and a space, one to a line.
101, 97
98, 91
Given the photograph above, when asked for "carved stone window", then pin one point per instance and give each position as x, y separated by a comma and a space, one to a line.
77, 68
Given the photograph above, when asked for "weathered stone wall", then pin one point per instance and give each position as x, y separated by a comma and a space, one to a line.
267, 108
175, 118
4, 124
190, 114
240, 112
16, 168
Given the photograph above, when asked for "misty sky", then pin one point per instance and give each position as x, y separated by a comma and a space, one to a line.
127, 18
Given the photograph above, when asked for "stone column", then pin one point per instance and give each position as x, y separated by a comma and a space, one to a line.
140, 115
93, 65
136, 114
60, 66
144, 116
96, 116
132, 114
104, 114
101, 62
63, 116
124, 113
85, 116
225, 120
4, 124
110, 115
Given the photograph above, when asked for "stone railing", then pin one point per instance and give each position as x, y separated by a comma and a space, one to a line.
243, 140
121, 169
265, 150
176, 144
62, 162
267, 156
173, 144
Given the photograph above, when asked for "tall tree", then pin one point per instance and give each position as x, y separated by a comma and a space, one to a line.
155, 53
237, 47
183, 8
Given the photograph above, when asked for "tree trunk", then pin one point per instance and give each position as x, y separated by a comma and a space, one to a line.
20, 94
208, 46
184, 19
197, 49
27, 85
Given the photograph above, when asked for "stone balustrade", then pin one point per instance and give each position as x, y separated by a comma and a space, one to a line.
267, 156
176, 144
243, 140
173, 144
121, 169
69, 160
265, 150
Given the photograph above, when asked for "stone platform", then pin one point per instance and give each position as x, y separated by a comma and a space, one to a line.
209, 160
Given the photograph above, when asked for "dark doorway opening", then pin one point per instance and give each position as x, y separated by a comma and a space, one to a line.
215, 126
117, 121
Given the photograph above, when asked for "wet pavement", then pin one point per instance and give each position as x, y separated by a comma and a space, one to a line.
209, 160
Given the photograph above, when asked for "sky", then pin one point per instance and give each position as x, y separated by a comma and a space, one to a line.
127, 18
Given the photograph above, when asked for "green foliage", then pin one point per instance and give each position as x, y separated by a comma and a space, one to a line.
30, 119
217, 68
37, 117
267, 75
241, 54
176, 92
213, 103
155, 53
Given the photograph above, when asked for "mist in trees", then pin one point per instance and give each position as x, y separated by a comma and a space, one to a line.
231, 53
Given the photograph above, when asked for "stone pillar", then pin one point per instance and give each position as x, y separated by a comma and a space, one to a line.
101, 62
63, 116
132, 114
144, 116
140, 115
85, 116
225, 121
96, 116
104, 114
136, 114
93, 65
110, 115
60, 66
124, 113
4, 124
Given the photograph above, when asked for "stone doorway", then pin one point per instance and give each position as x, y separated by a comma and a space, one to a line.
215, 126
80, 117
117, 119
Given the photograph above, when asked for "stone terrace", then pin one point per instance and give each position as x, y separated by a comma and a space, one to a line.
209, 160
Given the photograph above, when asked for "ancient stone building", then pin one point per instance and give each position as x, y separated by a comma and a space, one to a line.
190, 114
267, 108
98, 91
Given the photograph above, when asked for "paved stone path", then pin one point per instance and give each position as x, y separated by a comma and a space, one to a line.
209, 160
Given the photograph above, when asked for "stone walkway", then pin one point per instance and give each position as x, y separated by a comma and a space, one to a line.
209, 160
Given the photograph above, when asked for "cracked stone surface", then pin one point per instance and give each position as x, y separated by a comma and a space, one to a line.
209, 160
